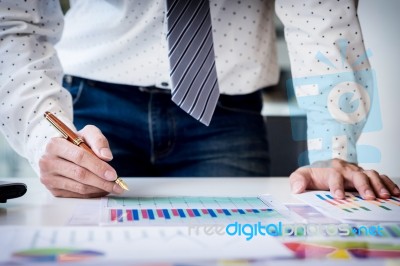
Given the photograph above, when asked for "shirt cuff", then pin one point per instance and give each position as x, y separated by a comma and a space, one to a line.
40, 136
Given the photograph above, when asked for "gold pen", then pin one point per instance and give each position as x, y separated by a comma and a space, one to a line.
71, 136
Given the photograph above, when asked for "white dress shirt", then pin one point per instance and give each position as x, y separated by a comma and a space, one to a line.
124, 42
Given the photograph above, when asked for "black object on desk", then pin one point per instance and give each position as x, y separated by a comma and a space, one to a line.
10, 190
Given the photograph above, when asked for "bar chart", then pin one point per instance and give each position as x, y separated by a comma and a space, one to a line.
130, 215
353, 203
354, 207
189, 210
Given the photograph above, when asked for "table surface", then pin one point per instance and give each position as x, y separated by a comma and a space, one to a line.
38, 207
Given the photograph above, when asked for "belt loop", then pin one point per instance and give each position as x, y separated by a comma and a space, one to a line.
68, 79
142, 89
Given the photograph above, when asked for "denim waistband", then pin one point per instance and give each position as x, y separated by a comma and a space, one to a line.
230, 100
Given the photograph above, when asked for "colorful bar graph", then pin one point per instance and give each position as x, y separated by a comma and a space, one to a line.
324, 199
132, 215
349, 204
189, 210
353, 207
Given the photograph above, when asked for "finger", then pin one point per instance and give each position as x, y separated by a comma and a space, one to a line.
377, 184
68, 151
97, 142
336, 186
299, 180
54, 166
69, 194
393, 188
63, 183
83, 176
361, 183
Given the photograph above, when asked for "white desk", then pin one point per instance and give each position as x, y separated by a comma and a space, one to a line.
38, 207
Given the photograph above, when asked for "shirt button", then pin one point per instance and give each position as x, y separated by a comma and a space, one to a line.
165, 84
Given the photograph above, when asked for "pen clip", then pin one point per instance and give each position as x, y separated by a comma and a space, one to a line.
64, 135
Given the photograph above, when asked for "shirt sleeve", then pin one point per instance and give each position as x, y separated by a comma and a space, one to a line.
331, 74
30, 75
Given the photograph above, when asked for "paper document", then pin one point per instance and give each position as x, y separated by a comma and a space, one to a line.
87, 213
63, 244
354, 207
310, 214
353, 247
193, 210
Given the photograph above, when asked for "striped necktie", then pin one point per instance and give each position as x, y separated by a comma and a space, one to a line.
191, 55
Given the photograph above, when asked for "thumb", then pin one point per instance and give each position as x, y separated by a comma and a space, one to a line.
97, 142
299, 180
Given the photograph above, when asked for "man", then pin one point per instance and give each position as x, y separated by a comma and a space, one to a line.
114, 55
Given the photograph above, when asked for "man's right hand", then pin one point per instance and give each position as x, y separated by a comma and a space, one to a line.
69, 171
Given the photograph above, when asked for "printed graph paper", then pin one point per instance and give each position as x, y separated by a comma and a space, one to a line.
354, 207
191, 210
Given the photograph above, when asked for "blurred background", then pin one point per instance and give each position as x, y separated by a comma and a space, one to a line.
379, 22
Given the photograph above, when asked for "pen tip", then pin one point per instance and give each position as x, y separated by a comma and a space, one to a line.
122, 184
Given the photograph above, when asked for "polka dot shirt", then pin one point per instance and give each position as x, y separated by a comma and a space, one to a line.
332, 72
125, 42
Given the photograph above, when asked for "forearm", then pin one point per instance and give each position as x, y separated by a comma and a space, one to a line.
331, 73
30, 75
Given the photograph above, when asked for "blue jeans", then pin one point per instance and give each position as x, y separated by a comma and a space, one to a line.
150, 136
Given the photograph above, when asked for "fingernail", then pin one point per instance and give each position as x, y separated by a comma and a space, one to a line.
297, 187
385, 191
339, 194
106, 153
117, 189
110, 175
369, 193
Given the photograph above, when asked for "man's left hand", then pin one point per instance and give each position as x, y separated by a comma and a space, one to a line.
337, 176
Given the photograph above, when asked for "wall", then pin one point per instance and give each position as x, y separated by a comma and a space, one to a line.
380, 22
